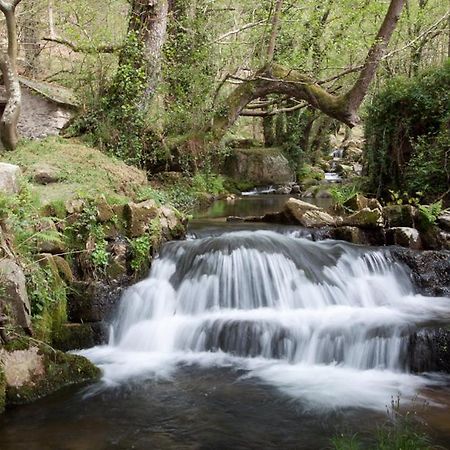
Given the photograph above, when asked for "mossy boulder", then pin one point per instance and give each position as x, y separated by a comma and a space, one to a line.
366, 218
139, 216
74, 336
400, 216
259, 166
39, 370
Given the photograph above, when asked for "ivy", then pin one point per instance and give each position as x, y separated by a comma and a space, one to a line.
407, 132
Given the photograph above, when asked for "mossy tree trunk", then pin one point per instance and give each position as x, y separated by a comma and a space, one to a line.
276, 79
148, 21
8, 65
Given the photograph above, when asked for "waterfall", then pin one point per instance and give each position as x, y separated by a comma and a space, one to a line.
327, 323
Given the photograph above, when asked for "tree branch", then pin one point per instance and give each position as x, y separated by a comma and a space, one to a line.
239, 30
105, 48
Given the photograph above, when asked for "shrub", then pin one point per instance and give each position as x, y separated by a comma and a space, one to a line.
407, 135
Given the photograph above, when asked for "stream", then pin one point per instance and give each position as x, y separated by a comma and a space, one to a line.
249, 336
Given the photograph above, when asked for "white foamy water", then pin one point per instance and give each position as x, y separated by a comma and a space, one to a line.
325, 323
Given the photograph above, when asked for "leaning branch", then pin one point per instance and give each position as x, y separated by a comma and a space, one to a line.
90, 50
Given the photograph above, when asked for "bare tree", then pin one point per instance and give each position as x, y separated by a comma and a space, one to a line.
8, 66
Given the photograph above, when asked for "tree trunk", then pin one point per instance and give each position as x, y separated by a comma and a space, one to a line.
148, 19
275, 79
31, 41
8, 66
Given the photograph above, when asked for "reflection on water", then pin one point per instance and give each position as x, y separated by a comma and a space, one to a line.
255, 205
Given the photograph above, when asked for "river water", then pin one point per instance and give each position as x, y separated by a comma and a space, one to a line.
249, 337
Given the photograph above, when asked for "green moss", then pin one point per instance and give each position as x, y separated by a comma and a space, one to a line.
61, 369
84, 171
74, 337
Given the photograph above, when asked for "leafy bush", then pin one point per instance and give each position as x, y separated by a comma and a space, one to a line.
407, 133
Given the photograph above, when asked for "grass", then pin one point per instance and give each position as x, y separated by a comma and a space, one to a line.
401, 431
82, 170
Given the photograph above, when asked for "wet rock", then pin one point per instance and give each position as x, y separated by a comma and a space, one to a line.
430, 269
12, 279
349, 234
405, 237
400, 216
76, 336
366, 218
139, 216
94, 301
10, 175
45, 174
429, 351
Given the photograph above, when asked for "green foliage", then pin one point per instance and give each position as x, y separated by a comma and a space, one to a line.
403, 198
401, 431
140, 248
430, 213
343, 442
342, 193
309, 172
407, 132
120, 122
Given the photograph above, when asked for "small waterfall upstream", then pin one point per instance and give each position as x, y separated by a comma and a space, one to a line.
326, 323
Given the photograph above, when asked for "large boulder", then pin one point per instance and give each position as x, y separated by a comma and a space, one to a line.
259, 166
400, 216
357, 202
12, 282
405, 237
35, 371
366, 218
9, 178
308, 215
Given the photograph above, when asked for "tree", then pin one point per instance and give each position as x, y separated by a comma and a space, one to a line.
277, 79
8, 66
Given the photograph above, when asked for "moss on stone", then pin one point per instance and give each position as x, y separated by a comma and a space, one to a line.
61, 369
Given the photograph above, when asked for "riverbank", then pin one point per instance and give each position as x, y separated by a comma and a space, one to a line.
76, 228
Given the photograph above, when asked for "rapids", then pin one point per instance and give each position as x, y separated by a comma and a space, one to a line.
326, 323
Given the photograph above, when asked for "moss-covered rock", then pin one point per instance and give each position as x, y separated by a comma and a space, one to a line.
400, 216
40, 370
366, 218
74, 336
139, 216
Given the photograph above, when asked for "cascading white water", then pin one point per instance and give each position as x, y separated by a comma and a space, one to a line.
325, 322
